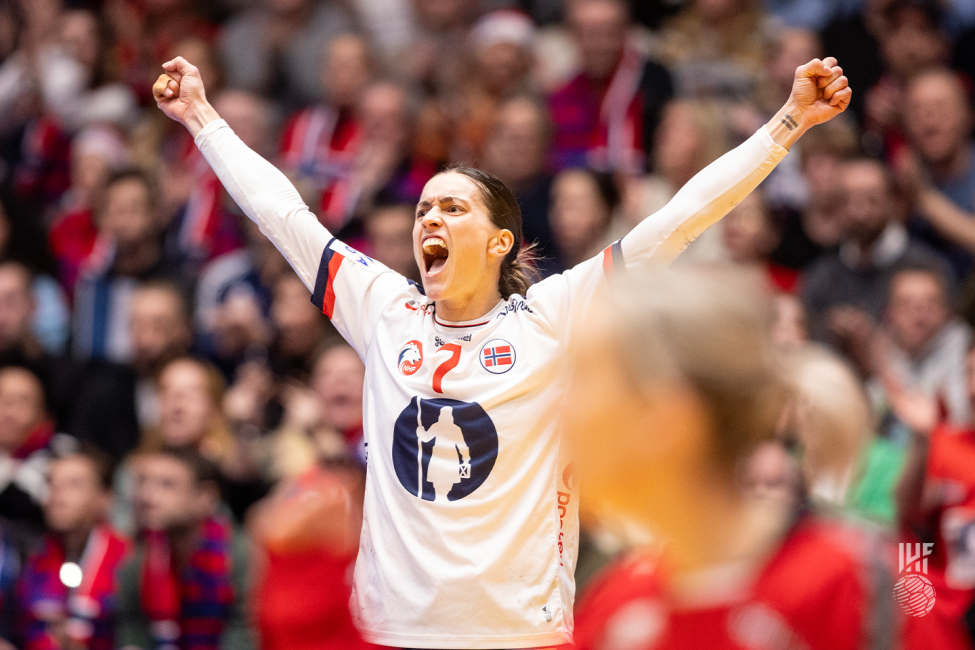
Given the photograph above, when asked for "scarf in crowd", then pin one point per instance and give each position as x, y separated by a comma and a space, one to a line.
602, 129
38, 438
88, 610
321, 144
188, 608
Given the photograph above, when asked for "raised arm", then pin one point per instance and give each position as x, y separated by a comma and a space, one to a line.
819, 93
263, 192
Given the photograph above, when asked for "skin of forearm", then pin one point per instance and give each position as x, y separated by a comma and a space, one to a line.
198, 116
947, 218
787, 126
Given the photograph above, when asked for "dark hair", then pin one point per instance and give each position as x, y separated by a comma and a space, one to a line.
135, 174
202, 469
101, 463
518, 267
933, 271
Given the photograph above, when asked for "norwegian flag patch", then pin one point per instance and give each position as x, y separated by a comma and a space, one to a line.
498, 356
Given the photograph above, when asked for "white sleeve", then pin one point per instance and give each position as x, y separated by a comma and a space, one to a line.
267, 197
662, 236
703, 201
354, 298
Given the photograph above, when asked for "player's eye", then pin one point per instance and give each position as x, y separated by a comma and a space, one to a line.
421, 214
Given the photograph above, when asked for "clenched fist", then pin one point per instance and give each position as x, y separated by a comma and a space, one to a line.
820, 92
179, 94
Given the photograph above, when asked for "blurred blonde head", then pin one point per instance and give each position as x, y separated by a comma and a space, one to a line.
675, 382
831, 419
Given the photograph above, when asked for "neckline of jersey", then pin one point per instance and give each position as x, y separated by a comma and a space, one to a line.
476, 322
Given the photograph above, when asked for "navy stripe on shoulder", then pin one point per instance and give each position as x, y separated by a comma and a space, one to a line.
419, 287
617, 251
321, 282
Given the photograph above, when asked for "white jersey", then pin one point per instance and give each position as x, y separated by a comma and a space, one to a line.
470, 521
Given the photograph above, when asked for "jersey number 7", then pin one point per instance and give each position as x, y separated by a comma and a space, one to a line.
446, 366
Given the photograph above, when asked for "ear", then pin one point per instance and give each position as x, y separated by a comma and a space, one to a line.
501, 243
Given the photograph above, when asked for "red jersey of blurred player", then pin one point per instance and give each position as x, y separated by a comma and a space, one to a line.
949, 499
308, 531
815, 592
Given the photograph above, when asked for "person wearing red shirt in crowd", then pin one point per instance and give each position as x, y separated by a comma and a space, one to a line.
66, 591
687, 380
605, 117
936, 504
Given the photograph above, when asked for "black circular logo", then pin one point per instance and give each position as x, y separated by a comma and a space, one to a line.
443, 448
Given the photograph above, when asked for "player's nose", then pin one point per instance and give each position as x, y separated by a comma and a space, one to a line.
432, 219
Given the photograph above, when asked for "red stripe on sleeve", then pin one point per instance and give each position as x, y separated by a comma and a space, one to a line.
608, 260
328, 304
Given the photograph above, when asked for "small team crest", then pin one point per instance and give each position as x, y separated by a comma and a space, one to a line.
498, 356
410, 358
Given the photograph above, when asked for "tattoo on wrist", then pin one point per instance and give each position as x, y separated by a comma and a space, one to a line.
789, 122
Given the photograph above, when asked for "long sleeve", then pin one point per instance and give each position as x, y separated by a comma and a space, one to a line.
267, 197
703, 201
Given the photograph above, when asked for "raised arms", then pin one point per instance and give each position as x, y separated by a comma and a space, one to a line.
263, 192
820, 92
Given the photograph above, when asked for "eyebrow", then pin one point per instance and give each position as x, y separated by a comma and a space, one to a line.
439, 199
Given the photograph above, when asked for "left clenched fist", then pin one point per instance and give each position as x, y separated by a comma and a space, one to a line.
820, 92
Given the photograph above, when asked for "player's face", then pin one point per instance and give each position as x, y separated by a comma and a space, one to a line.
454, 240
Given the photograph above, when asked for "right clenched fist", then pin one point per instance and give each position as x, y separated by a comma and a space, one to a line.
179, 94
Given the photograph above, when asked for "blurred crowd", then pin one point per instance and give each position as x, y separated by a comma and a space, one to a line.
165, 379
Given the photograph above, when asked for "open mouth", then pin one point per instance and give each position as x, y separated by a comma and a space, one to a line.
435, 255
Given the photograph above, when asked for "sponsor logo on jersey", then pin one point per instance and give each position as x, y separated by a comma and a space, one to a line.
443, 449
410, 358
420, 308
352, 254
913, 590
439, 342
514, 306
497, 356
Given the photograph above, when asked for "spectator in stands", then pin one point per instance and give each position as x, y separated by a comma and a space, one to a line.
500, 69
912, 43
191, 394
27, 442
390, 162
389, 233
584, 204
939, 169
815, 228
186, 583
322, 419
927, 343
131, 248
750, 236
845, 292
66, 591
96, 153
605, 117
716, 48
320, 143
161, 331
516, 151
275, 48
300, 328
